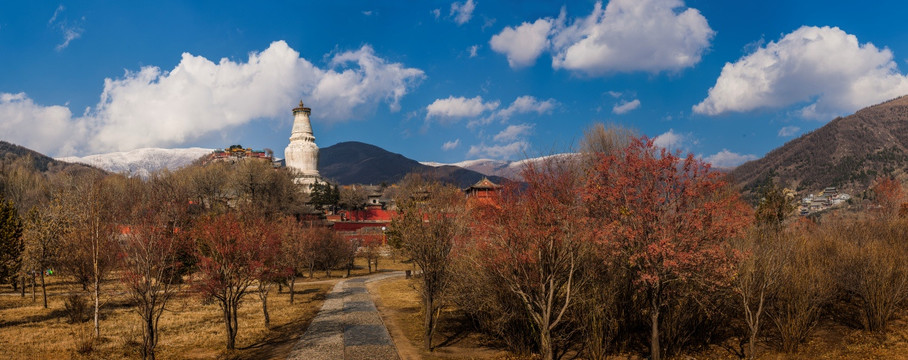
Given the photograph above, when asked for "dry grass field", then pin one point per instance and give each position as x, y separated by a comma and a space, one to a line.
399, 304
188, 330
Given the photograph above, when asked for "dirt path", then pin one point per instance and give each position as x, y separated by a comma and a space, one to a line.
348, 326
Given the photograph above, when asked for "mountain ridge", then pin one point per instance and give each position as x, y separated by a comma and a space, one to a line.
848, 152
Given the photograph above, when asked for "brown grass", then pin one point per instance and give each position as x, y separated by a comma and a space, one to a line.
398, 300
188, 330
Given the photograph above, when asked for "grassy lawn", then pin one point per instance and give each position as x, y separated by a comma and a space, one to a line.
399, 303
189, 329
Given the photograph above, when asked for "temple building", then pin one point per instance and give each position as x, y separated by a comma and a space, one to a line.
302, 153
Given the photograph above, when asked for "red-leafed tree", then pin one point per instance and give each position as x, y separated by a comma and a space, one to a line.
670, 218
230, 260
150, 255
273, 268
535, 242
888, 196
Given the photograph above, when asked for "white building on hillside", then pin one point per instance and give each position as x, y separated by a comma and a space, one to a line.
302, 153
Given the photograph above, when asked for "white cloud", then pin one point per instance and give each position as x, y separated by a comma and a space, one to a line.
506, 151
41, 128
625, 36
522, 105
436, 12
527, 104
822, 65
450, 145
789, 131
672, 140
614, 94
473, 50
70, 31
728, 159
513, 132
157, 108
367, 12
624, 107
454, 108
57, 12
522, 44
462, 12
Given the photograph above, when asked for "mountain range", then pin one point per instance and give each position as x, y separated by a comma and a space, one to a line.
141, 162
346, 163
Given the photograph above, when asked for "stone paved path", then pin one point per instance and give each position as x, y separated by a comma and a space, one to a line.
348, 326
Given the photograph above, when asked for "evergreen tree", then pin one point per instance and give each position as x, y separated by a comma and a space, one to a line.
11, 244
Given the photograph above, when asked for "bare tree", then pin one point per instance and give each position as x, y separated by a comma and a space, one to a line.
430, 220
43, 229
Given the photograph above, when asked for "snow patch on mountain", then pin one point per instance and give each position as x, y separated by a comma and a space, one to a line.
141, 162
503, 168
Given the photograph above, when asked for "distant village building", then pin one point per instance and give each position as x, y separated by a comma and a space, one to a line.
301, 154
237, 153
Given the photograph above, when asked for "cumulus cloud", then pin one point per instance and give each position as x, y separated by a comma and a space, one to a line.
41, 128
523, 44
506, 151
625, 36
632, 35
454, 108
527, 104
462, 12
450, 145
824, 66
788, 131
672, 140
153, 107
727, 159
513, 132
624, 107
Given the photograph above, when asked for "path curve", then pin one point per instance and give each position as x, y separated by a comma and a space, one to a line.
348, 326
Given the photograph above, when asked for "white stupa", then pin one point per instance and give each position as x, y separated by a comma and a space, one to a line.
302, 153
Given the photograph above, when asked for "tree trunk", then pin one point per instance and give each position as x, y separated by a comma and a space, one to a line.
655, 351
369, 264
44, 289
545, 344
228, 323
752, 343
150, 337
292, 282
23, 285
429, 321
376, 264
34, 288
97, 291
263, 293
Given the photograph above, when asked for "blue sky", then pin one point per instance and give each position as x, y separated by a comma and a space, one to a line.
442, 81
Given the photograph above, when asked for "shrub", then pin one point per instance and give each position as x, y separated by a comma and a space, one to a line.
76, 308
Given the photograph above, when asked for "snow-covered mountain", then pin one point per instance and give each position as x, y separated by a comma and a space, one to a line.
141, 162
503, 168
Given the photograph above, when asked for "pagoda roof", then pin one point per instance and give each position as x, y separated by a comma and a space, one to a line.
484, 184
